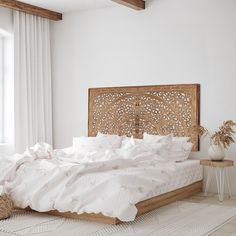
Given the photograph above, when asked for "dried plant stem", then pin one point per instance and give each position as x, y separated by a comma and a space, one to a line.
223, 137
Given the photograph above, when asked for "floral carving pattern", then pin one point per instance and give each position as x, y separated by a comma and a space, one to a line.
131, 111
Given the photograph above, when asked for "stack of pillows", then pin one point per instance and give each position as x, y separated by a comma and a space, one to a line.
172, 148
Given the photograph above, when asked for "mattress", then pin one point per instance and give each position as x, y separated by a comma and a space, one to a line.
187, 172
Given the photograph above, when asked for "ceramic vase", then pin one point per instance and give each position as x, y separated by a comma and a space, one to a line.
216, 152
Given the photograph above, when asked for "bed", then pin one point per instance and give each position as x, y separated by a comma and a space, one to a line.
131, 111
123, 111
186, 182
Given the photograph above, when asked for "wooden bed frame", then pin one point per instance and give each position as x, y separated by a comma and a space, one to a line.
143, 207
131, 111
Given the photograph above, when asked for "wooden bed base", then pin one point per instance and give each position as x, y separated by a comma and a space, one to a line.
143, 207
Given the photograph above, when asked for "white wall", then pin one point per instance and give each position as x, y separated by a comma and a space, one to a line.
6, 20
171, 42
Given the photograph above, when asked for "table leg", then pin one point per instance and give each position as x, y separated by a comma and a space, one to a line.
208, 181
220, 180
227, 182
217, 181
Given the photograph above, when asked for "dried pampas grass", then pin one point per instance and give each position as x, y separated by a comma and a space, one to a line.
224, 136
6, 206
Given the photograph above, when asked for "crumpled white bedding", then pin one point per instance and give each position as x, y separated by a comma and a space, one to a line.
110, 181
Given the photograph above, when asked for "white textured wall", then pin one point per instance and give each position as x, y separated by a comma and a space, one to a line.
171, 42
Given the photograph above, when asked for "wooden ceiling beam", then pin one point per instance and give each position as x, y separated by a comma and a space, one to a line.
31, 9
135, 4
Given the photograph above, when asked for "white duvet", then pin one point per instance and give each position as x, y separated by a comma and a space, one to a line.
110, 182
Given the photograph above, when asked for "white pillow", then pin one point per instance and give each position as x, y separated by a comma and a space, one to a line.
176, 149
125, 141
136, 146
91, 144
148, 139
99, 134
180, 150
131, 147
115, 140
157, 144
130, 141
155, 139
186, 139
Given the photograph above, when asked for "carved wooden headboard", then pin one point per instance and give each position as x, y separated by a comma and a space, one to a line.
162, 109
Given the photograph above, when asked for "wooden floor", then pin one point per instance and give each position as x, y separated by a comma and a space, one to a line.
228, 229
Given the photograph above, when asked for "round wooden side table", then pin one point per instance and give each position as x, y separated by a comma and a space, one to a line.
221, 175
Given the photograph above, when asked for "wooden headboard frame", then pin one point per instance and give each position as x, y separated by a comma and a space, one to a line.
161, 109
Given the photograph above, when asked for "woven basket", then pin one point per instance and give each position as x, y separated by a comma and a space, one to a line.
6, 206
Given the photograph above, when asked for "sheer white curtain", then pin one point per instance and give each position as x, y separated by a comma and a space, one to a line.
33, 105
6, 93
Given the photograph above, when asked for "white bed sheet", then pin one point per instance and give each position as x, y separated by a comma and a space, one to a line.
187, 172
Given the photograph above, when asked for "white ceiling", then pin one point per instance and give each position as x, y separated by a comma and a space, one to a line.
70, 5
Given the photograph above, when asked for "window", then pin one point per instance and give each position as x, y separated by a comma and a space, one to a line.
1, 89
6, 90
